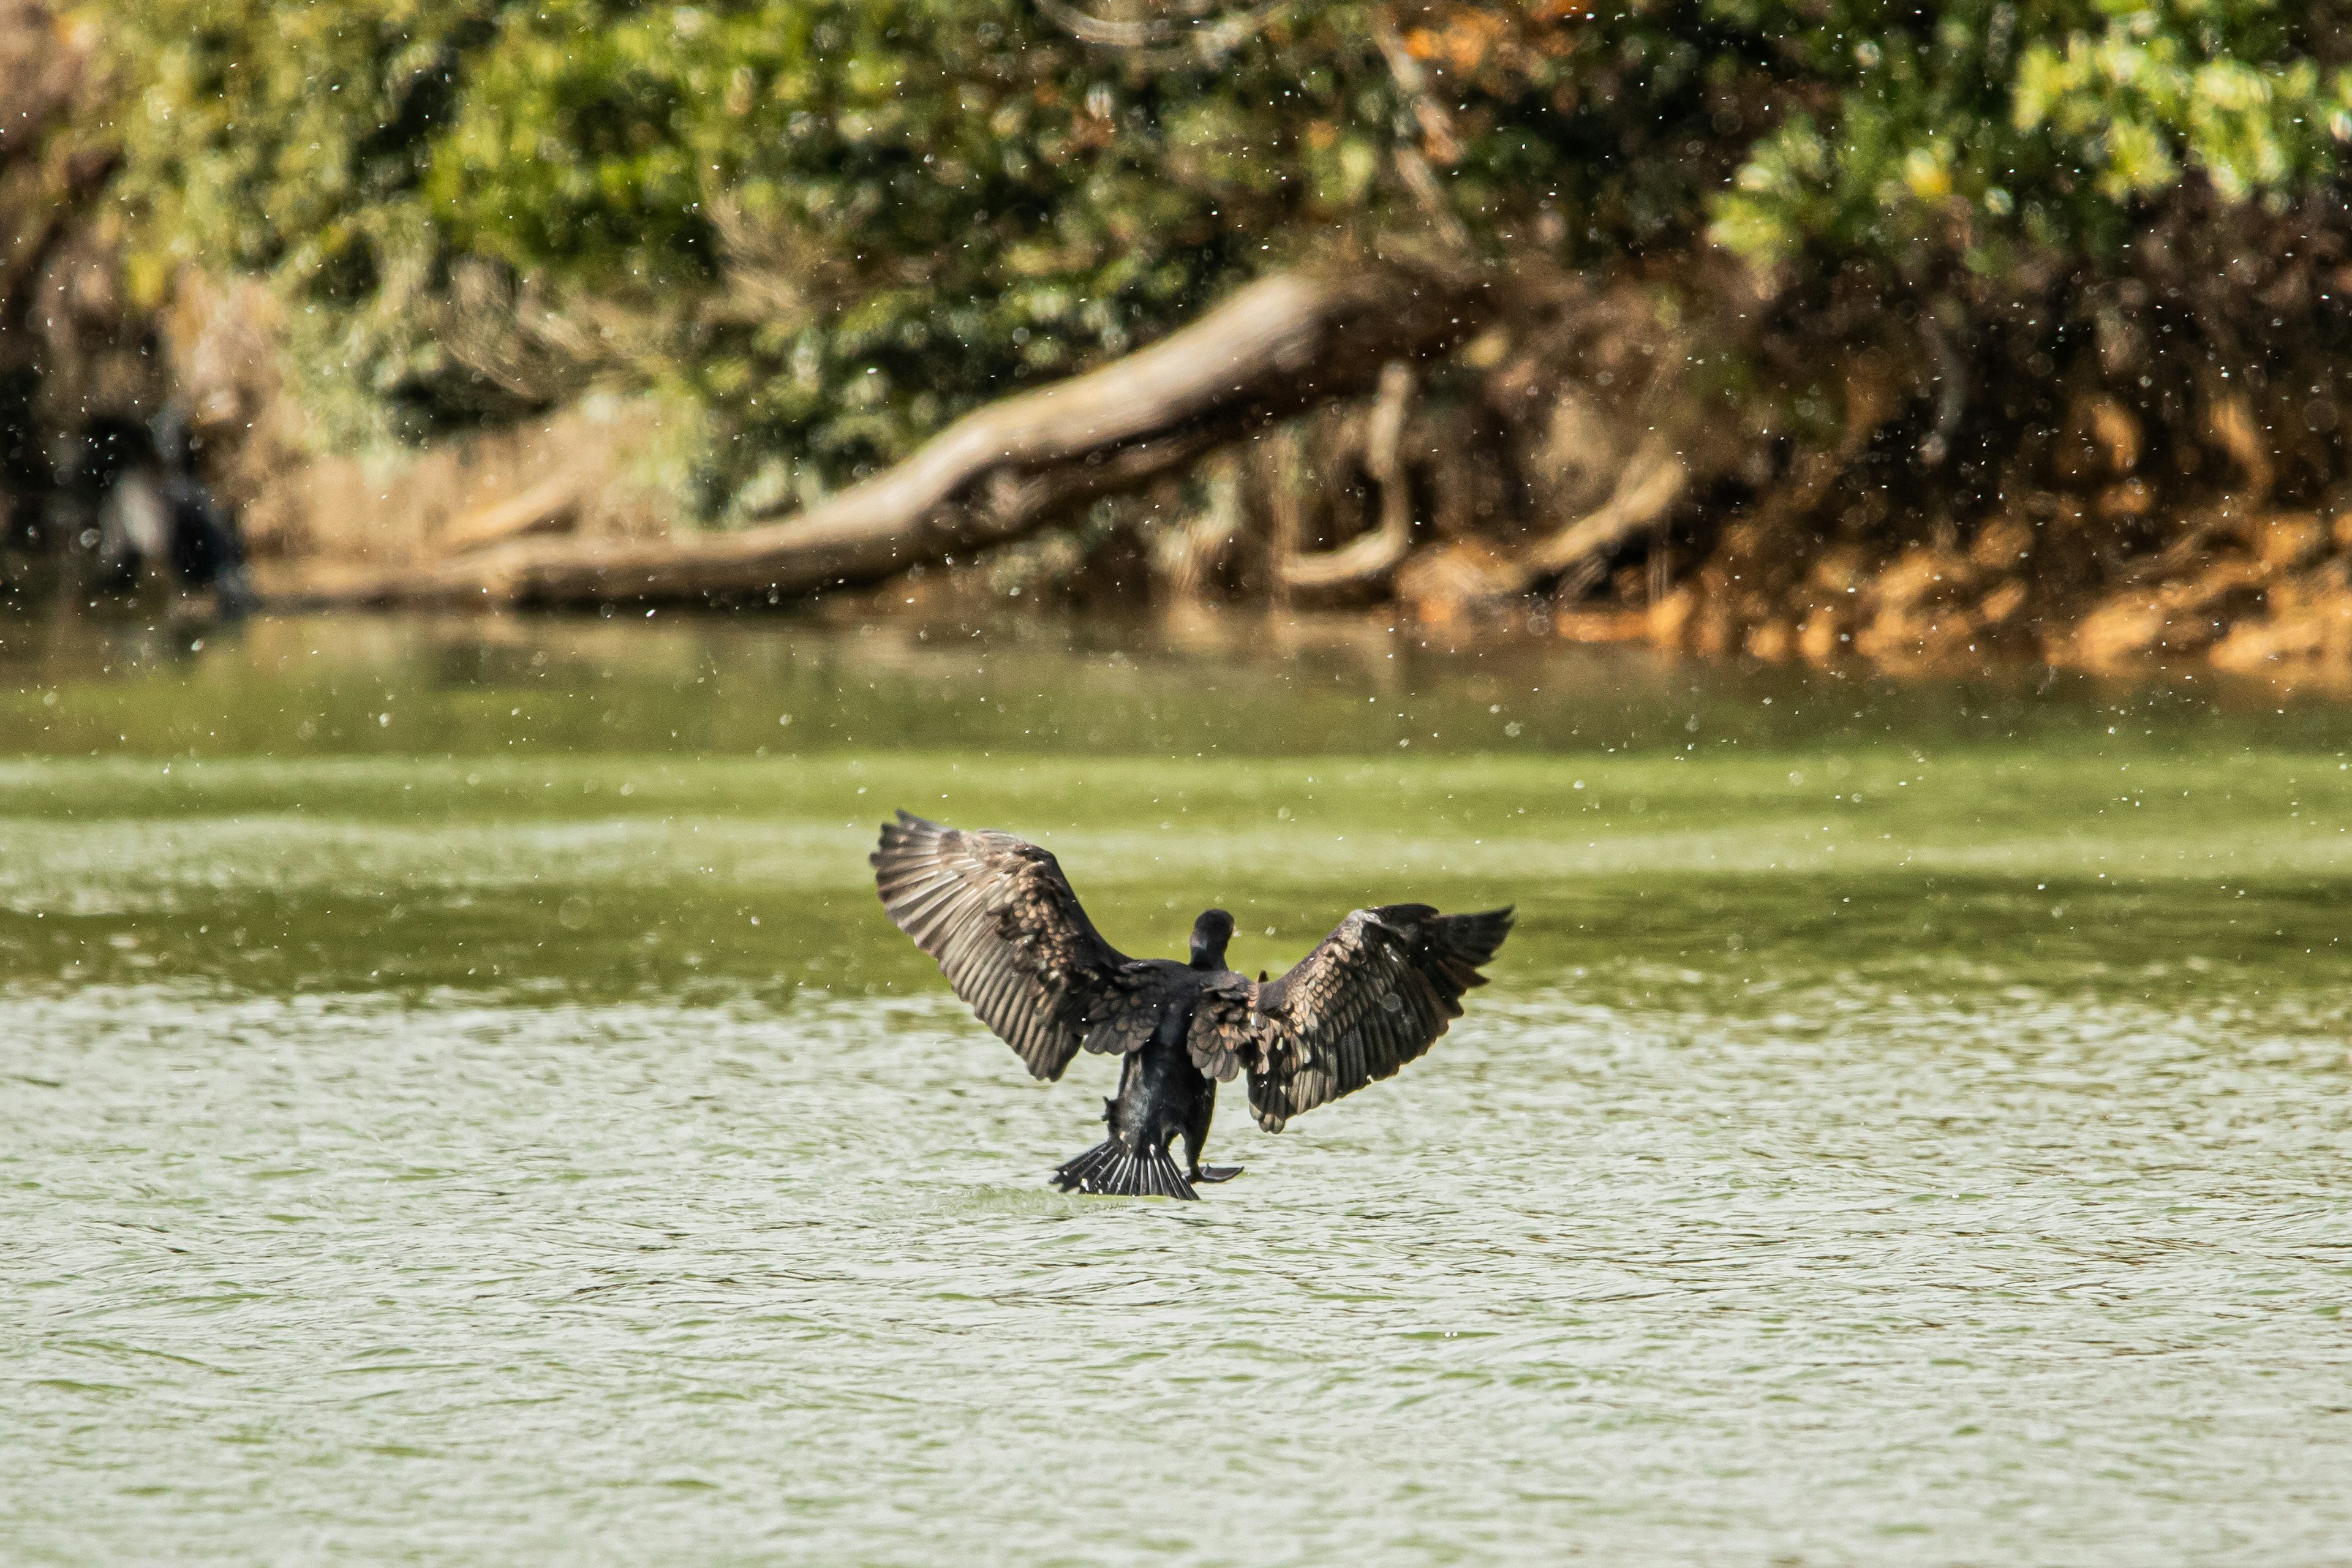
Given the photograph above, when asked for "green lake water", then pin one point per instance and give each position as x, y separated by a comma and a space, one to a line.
461, 1103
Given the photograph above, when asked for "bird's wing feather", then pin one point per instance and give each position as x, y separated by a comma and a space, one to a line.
1225, 1026
1376, 994
1012, 940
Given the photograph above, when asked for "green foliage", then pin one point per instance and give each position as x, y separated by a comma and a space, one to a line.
291, 140
2002, 128
2214, 86
838, 222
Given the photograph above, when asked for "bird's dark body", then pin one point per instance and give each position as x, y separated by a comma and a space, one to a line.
1010, 938
1161, 1098
1162, 1095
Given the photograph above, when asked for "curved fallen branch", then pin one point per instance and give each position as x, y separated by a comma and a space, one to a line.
1951, 391
1369, 557
1649, 486
1188, 38
549, 507
1276, 347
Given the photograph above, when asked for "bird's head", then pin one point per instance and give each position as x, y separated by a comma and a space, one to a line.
1210, 934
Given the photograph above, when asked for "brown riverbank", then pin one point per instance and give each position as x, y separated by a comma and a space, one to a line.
1561, 462
2105, 455
2242, 584
1554, 457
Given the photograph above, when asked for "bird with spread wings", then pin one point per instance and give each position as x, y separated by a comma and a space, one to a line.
1015, 945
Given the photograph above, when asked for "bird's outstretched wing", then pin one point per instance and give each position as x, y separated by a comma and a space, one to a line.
1375, 995
1008, 932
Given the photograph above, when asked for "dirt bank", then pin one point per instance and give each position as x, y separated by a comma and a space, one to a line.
1549, 457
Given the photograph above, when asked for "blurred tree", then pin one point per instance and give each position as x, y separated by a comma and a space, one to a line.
838, 224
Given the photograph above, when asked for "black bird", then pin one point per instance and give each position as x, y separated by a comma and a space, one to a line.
998, 914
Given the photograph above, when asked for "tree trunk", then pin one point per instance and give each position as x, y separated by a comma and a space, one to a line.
1276, 347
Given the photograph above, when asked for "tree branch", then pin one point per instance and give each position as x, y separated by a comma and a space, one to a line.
1650, 485
1276, 347
1370, 556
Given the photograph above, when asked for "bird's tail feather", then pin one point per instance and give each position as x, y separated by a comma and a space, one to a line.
1112, 1169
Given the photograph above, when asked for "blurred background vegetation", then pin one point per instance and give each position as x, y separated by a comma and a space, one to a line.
2040, 266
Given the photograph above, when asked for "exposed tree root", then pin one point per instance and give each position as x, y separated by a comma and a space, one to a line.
1369, 557
1649, 486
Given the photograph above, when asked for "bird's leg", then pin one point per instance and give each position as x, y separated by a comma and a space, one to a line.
1196, 1137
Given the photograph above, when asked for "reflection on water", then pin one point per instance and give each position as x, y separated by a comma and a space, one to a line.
1227, 687
446, 1114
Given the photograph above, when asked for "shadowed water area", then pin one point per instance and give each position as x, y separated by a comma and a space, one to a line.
460, 1102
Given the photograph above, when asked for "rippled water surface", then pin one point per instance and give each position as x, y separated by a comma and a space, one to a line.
460, 1102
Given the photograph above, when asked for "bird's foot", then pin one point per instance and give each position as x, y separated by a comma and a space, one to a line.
1215, 1172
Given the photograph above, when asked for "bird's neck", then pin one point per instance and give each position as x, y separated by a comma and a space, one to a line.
1207, 958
